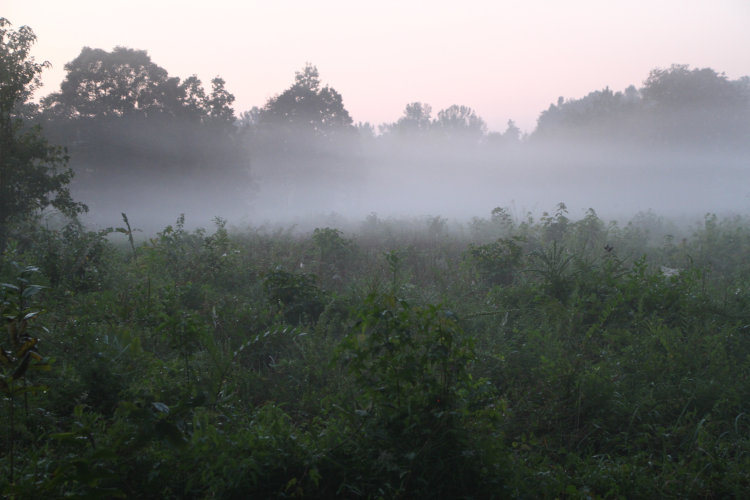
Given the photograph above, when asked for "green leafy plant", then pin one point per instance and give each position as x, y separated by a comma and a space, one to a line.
296, 295
553, 264
128, 231
411, 367
19, 352
498, 262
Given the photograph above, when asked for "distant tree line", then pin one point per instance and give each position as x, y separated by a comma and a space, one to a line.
120, 108
677, 106
122, 116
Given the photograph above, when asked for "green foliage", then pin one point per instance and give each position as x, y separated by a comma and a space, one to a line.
497, 263
331, 244
125, 83
676, 107
414, 396
296, 296
33, 174
18, 353
307, 106
564, 359
552, 264
334, 255
71, 257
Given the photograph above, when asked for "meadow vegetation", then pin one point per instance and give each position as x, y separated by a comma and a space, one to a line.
406, 359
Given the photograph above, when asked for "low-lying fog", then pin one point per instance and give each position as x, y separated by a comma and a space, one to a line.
679, 146
451, 183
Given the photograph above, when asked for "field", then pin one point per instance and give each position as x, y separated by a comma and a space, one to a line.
506, 357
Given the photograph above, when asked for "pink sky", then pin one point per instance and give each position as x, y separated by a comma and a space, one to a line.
506, 59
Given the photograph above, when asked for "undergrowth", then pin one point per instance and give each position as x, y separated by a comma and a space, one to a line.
511, 358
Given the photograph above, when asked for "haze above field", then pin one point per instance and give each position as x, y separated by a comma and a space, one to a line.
343, 109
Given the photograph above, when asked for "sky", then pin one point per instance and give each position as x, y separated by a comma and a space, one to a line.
506, 59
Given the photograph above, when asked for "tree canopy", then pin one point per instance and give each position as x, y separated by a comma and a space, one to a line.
118, 83
123, 113
127, 83
455, 123
307, 107
415, 122
677, 105
33, 174
461, 122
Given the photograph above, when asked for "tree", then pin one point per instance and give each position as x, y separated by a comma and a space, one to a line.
511, 136
460, 122
116, 84
193, 98
220, 102
305, 107
697, 106
678, 106
126, 83
679, 86
602, 115
33, 174
304, 133
415, 122
512, 133
123, 114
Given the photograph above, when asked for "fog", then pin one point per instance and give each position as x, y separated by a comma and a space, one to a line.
678, 146
456, 182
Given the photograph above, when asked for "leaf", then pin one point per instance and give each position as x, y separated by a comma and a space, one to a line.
42, 367
31, 315
32, 290
26, 347
21, 370
6, 357
64, 436
160, 407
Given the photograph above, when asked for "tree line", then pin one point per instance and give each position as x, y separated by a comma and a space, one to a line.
120, 107
122, 116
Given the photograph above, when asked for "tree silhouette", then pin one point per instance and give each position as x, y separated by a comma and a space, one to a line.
33, 174
307, 108
460, 123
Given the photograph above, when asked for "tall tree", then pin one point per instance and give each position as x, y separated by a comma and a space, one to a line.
460, 122
33, 174
123, 113
306, 107
118, 83
304, 133
220, 102
193, 98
